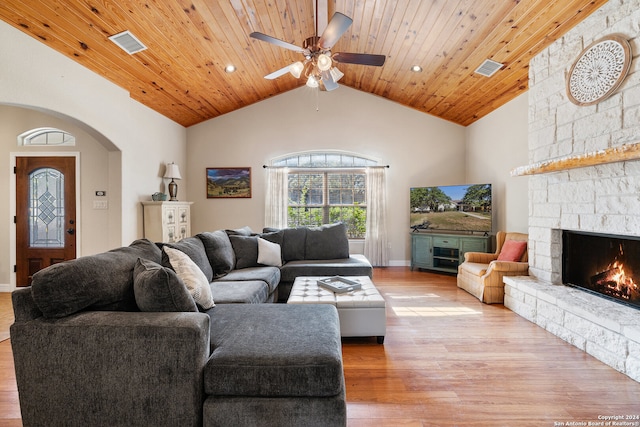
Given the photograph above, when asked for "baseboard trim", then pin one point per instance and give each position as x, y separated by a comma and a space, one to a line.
6, 287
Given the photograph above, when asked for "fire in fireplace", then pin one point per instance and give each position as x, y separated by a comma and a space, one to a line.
606, 265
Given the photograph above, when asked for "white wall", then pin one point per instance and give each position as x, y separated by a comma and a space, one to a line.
496, 144
141, 141
420, 149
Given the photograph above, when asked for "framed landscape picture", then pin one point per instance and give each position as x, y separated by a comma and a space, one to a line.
228, 183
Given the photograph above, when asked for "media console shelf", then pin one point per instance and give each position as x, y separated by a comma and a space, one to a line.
444, 252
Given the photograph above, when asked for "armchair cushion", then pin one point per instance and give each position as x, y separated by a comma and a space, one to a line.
512, 250
475, 268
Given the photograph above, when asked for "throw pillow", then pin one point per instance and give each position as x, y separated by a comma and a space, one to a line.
512, 250
192, 276
219, 251
246, 250
269, 253
194, 248
157, 288
329, 241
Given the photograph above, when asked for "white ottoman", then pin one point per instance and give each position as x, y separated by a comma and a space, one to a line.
361, 312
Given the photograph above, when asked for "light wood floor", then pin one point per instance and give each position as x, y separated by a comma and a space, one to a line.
449, 360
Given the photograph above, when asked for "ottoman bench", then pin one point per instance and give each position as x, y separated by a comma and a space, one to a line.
362, 312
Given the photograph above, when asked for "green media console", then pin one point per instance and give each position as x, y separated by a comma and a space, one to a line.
444, 252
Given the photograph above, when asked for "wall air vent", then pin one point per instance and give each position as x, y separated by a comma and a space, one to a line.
128, 42
488, 68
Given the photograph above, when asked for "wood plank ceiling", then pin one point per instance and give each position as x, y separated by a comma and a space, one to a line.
181, 74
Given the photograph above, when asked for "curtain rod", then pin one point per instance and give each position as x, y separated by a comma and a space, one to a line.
334, 167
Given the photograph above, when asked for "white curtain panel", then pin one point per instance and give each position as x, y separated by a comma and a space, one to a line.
276, 198
375, 240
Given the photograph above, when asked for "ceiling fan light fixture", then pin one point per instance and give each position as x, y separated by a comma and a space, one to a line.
336, 74
324, 62
312, 82
296, 69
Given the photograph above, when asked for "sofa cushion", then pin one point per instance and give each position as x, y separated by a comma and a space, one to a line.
245, 249
241, 292
274, 350
244, 231
158, 288
269, 275
192, 276
269, 253
293, 243
194, 248
328, 241
100, 282
219, 252
354, 265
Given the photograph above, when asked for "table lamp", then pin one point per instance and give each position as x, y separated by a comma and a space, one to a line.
172, 172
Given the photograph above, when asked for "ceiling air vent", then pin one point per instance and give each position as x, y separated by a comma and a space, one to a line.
128, 42
488, 68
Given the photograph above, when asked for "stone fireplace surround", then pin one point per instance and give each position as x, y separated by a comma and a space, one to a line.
602, 198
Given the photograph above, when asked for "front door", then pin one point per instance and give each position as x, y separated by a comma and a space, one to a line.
45, 214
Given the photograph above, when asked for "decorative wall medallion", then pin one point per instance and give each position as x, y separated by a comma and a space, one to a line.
599, 70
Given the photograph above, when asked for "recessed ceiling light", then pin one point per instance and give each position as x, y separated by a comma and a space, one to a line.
230, 68
416, 68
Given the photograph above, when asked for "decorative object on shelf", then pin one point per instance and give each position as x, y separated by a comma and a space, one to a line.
158, 197
229, 183
172, 172
599, 70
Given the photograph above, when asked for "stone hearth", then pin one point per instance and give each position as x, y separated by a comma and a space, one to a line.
607, 330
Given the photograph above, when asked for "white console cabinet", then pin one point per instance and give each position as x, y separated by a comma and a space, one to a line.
167, 221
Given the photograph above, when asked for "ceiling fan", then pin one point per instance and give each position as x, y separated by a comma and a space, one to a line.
318, 64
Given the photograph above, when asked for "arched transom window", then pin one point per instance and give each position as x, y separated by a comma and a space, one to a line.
46, 137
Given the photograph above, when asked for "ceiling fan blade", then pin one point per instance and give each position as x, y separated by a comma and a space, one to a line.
328, 82
278, 73
359, 58
265, 38
335, 29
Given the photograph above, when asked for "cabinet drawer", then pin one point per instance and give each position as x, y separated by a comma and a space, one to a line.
446, 242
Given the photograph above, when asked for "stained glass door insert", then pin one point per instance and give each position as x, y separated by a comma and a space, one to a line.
46, 209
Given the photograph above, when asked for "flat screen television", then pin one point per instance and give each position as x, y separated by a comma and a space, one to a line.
452, 208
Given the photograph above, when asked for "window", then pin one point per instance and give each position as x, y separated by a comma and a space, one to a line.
46, 137
325, 188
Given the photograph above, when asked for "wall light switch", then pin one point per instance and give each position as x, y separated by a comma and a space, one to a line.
100, 204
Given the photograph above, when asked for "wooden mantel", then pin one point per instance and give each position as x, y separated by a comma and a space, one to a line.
609, 155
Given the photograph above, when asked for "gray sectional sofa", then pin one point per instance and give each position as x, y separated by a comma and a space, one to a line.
120, 338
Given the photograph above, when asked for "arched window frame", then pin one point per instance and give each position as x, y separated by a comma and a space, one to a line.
46, 137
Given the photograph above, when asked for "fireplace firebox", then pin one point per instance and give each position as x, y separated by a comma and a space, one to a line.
606, 265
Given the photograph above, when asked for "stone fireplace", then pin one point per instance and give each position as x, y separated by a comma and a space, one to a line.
592, 199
